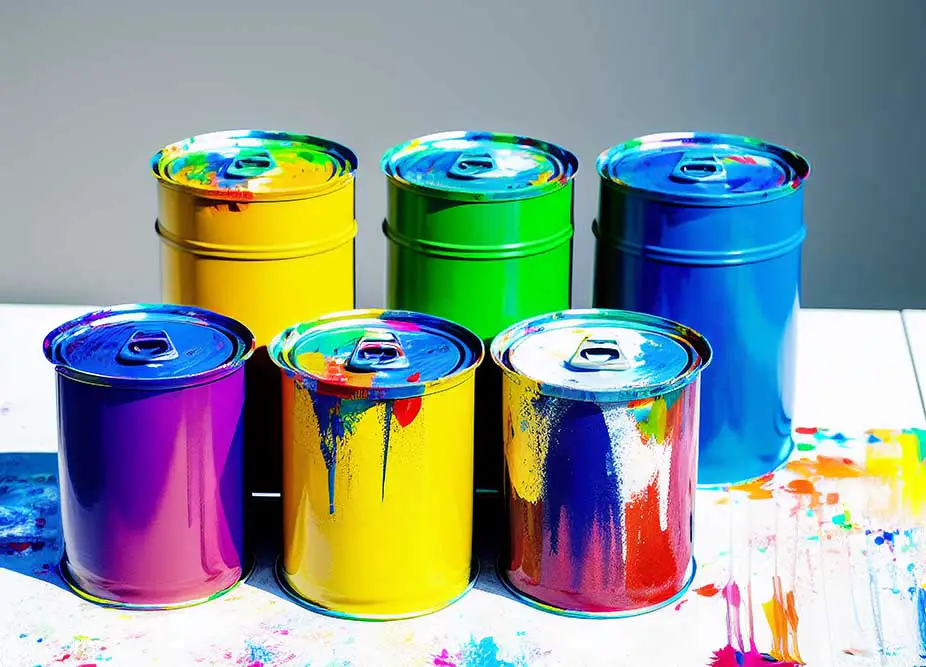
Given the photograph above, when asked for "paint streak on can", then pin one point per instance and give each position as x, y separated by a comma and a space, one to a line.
378, 462
150, 409
247, 220
707, 229
480, 229
601, 446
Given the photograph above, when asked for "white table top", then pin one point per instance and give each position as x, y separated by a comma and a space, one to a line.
855, 373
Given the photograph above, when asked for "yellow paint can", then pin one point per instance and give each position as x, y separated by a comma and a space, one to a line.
377, 462
258, 226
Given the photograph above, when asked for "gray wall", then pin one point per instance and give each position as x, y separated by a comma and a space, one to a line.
88, 94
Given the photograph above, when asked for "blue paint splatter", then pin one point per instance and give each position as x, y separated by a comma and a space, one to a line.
583, 481
921, 618
337, 419
484, 653
258, 653
387, 431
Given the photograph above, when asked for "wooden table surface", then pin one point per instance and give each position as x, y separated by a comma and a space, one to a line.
823, 564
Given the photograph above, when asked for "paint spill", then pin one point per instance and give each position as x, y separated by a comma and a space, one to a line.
476, 653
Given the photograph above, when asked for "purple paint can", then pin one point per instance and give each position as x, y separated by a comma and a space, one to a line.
150, 405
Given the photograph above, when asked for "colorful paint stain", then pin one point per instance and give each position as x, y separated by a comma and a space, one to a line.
605, 527
476, 653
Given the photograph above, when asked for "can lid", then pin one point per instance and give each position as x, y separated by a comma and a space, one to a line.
602, 355
149, 346
377, 354
254, 164
480, 166
710, 169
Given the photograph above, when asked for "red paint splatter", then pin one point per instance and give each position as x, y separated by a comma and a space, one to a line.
679, 605
707, 591
414, 377
730, 657
652, 566
63, 657
18, 547
87, 664
406, 409
444, 660
804, 430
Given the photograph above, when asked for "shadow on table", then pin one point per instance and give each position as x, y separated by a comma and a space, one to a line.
30, 517
265, 538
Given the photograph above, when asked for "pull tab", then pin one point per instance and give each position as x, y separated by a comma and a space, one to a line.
377, 352
599, 354
147, 347
249, 164
472, 165
699, 167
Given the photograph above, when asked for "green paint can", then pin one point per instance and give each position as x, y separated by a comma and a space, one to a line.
480, 228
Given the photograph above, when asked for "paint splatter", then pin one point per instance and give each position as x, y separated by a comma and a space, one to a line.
756, 489
707, 591
921, 618
476, 653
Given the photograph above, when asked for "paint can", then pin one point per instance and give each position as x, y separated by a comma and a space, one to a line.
150, 409
249, 222
707, 229
480, 228
601, 448
378, 462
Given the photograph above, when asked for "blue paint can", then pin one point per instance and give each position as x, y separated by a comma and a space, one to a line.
707, 229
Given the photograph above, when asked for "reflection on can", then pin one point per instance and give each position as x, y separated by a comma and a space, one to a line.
601, 441
259, 226
707, 229
378, 462
150, 410
480, 232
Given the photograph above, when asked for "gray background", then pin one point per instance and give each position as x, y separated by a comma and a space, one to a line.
88, 93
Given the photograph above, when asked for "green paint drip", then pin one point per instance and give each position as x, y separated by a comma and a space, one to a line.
655, 424
805, 447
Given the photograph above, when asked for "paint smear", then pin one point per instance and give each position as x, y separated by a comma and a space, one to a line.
781, 614
758, 488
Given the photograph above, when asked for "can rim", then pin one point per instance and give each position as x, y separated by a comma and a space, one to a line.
391, 157
340, 152
795, 161
696, 342
240, 333
277, 350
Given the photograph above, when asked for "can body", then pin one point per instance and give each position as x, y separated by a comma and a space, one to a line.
600, 517
150, 433
732, 271
377, 523
152, 490
266, 257
482, 261
377, 487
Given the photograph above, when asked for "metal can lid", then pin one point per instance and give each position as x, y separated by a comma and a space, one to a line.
149, 346
702, 168
254, 164
480, 166
377, 354
602, 355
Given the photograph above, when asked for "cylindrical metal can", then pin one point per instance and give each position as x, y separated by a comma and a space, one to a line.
601, 448
707, 229
249, 221
480, 228
150, 405
378, 462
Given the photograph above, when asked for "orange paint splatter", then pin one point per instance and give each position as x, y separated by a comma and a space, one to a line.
758, 488
832, 498
833, 467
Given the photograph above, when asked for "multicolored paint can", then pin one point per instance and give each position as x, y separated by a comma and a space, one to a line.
150, 409
707, 229
378, 462
249, 221
601, 448
480, 229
